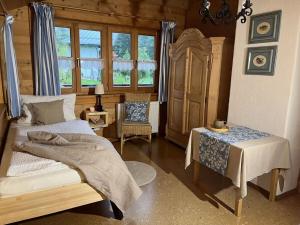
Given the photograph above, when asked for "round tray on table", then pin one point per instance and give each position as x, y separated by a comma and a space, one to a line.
219, 130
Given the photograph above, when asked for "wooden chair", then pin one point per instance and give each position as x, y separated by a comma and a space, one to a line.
134, 130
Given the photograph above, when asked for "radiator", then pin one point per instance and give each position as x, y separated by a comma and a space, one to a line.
153, 116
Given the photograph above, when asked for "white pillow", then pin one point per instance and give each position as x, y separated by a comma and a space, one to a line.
68, 107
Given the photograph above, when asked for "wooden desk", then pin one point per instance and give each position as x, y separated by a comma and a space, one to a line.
247, 160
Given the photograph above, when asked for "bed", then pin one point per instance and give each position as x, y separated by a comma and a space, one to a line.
31, 186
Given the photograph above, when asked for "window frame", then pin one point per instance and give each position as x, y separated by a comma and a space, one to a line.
106, 51
156, 57
103, 32
125, 30
67, 24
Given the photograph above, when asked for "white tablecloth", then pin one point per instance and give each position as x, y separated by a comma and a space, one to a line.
247, 159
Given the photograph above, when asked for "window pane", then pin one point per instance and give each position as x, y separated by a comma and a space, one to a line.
91, 64
122, 63
146, 47
121, 46
90, 44
65, 67
64, 53
91, 72
146, 62
63, 41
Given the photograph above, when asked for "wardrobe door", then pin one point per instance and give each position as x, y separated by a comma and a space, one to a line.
198, 71
177, 88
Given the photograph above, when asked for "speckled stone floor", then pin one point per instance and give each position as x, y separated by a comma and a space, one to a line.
173, 199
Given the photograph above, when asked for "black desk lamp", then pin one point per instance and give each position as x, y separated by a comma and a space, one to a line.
99, 90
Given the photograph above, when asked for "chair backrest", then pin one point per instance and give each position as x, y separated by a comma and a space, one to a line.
131, 97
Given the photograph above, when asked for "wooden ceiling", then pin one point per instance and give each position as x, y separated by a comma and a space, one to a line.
14, 4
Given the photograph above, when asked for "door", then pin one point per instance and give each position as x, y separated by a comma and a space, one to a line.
198, 70
177, 92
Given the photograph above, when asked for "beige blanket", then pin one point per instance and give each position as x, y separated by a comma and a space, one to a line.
103, 168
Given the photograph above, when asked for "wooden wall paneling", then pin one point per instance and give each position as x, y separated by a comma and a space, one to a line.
1, 89
13, 4
154, 11
3, 127
150, 9
98, 4
22, 44
97, 18
2, 68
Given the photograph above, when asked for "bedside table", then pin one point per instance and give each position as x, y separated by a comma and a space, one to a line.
97, 120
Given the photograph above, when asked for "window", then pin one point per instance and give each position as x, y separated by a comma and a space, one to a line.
132, 59
91, 63
123, 59
121, 56
146, 62
64, 53
80, 56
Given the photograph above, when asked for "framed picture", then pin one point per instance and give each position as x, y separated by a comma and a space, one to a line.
265, 27
261, 60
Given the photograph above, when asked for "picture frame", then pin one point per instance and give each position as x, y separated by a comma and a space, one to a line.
261, 61
265, 27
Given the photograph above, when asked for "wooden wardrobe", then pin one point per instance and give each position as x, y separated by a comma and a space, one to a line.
199, 83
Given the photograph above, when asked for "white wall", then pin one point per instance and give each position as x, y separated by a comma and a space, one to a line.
271, 103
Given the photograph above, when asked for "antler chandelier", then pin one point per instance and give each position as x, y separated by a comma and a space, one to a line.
224, 14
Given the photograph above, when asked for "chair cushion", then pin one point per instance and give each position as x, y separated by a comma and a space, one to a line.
136, 112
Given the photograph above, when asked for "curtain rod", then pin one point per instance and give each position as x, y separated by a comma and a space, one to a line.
105, 13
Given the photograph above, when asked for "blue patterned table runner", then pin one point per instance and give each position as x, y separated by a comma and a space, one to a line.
214, 147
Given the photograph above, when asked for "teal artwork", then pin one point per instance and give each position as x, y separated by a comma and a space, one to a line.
265, 27
261, 61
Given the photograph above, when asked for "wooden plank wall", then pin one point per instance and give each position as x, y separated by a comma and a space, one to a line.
3, 128
1, 68
1, 90
158, 9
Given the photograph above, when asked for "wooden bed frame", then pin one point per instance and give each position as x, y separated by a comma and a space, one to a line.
41, 203
32, 205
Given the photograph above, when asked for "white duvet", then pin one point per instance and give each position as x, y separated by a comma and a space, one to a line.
25, 164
